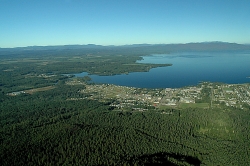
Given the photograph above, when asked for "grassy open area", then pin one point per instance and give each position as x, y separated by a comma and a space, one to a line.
164, 107
194, 105
31, 91
227, 89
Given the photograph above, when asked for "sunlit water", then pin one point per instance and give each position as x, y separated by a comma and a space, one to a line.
189, 68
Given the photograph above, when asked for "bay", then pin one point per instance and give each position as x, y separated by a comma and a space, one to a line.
189, 68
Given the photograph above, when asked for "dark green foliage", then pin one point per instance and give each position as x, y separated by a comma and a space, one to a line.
46, 129
164, 159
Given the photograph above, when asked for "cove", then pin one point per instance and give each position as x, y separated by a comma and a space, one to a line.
189, 68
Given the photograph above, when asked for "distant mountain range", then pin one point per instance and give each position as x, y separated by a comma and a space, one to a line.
134, 48
196, 46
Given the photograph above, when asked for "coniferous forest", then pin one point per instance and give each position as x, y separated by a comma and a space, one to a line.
43, 127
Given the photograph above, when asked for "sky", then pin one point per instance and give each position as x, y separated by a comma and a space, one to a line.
120, 22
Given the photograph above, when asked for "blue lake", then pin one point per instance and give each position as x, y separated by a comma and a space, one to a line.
189, 68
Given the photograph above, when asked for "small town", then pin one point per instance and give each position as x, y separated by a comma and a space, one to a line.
204, 95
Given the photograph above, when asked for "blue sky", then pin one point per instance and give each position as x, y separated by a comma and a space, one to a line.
119, 22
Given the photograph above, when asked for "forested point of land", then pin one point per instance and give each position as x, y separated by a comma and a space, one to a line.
42, 127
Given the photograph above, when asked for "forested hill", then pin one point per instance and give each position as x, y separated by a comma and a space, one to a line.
137, 49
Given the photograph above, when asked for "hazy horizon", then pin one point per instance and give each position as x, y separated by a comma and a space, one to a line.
125, 44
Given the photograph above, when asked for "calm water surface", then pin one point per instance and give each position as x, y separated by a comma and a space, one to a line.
189, 68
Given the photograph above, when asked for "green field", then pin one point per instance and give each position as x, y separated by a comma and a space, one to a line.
193, 105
